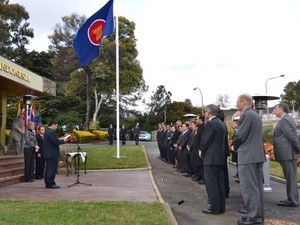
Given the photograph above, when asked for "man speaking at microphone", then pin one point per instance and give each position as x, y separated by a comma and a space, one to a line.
52, 153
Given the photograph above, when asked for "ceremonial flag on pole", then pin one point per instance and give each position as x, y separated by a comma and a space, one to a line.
87, 42
39, 117
33, 111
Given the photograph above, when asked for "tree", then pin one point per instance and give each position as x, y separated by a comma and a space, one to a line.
100, 74
223, 100
292, 93
132, 84
14, 30
158, 103
178, 109
38, 62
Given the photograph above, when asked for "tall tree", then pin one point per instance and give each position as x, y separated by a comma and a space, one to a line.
39, 62
223, 100
291, 95
100, 74
14, 30
158, 103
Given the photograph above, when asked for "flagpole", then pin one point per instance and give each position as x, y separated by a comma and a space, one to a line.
117, 79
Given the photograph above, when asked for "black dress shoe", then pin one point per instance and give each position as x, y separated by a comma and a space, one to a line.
201, 182
287, 204
187, 175
208, 211
246, 221
243, 211
32, 180
195, 178
53, 186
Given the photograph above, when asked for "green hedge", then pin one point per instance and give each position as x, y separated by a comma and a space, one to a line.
101, 135
84, 136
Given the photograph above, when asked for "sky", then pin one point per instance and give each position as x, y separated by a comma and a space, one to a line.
223, 47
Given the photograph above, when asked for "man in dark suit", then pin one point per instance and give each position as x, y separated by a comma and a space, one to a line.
52, 153
161, 134
248, 140
39, 156
111, 132
213, 153
197, 162
286, 150
174, 140
181, 145
123, 133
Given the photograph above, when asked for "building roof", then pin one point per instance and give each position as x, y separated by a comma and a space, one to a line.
18, 81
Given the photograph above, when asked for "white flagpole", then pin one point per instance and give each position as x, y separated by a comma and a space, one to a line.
117, 80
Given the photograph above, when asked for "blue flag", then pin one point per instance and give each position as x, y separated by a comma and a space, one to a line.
87, 42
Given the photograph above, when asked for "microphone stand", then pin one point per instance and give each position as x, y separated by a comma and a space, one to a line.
77, 167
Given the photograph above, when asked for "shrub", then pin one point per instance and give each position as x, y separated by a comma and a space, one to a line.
84, 136
101, 135
268, 134
7, 133
94, 125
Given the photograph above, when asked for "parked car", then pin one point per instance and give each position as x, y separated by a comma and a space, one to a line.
144, 136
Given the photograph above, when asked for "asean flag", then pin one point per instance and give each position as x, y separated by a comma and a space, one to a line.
87, 42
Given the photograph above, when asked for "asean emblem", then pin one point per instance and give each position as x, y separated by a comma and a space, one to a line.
95, 31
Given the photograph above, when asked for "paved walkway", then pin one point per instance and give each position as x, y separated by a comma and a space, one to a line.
159, 183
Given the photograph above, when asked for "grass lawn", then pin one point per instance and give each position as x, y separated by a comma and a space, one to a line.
276, 170
82, 213
90, 213
104, 157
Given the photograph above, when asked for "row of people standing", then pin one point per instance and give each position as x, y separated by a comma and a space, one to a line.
123, 132
187, 147
248, 142
213, 151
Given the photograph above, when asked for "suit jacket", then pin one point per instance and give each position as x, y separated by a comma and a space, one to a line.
191, 139
30, 139
40, 142
111, 131
248, 138
285, 140
174, 137
51, 144
212, 144
167, 141
123, 131
183, 141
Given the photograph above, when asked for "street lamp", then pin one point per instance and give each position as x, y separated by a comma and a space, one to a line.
202, 108
266, 86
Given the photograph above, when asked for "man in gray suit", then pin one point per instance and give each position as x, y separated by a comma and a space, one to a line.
286, 148
248, 139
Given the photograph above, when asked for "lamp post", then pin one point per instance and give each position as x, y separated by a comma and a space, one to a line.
293, 102
202, 108
27, 100
266, 86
